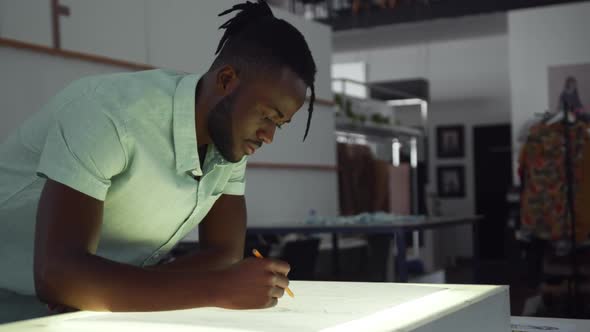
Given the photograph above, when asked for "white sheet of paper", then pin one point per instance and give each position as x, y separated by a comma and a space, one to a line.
316, 306
530, 324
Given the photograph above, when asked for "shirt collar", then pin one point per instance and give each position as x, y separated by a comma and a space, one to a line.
184, 131
183, 122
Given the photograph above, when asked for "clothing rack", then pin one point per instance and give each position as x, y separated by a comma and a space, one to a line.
571, 121
573, 285
391, 135
573, 291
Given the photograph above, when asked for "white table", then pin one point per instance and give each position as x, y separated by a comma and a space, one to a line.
551, 324
317, 306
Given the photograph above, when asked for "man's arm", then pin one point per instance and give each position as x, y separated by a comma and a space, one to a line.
67, 271
221, 237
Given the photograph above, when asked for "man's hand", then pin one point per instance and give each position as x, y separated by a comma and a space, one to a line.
253, 284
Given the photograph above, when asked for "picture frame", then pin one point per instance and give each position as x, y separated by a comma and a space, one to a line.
451, 181
450, 141
569, 87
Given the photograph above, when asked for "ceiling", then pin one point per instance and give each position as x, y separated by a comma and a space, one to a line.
423, 10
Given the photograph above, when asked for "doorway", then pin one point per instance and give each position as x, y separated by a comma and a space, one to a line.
493, 177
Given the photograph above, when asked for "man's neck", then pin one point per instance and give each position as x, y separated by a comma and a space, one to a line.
202, 154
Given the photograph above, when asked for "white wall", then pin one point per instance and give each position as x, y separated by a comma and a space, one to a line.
31, 79
181, 35
27, 20
541, 38
286, 196
466, 63
107, 27
354, 71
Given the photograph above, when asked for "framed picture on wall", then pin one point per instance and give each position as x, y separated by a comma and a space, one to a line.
450, 141
451, 181
569, 87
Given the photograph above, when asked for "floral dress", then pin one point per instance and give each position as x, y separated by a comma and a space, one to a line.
544, 210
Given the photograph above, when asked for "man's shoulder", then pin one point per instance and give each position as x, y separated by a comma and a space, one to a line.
122, 84
137, 84
130, 93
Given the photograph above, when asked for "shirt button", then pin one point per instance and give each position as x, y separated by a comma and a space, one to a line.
195, 173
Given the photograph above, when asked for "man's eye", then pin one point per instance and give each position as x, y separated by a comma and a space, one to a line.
280, 126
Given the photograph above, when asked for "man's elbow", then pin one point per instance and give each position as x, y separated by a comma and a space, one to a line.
50, 277
44, 284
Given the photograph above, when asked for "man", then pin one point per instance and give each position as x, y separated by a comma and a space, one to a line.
116, 169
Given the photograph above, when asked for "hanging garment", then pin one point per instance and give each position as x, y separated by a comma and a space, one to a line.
544, 209
400, 189
392, 188
382, 187
356, 180
583, 198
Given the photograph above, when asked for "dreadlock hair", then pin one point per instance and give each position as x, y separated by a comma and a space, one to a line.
254, 36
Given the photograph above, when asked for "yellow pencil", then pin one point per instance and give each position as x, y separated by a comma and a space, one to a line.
259, 255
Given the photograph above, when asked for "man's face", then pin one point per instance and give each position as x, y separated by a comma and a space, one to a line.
248, 117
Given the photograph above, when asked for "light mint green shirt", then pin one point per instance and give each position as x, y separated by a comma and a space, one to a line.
128, 139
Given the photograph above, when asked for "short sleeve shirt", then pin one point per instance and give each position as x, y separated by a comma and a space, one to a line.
127, 139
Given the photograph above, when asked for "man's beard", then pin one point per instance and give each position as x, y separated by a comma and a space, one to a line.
219, 124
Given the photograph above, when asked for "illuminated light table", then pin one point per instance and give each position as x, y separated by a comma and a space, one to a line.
317, 306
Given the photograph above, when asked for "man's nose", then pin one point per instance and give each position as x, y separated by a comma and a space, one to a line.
267, 134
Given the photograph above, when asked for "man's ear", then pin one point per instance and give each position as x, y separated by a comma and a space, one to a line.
227, 80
